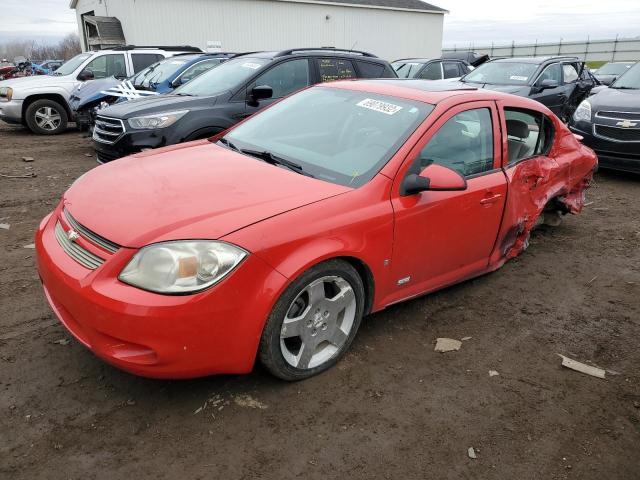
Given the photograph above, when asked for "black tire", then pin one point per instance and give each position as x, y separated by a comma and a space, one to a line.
270, 353
57, 111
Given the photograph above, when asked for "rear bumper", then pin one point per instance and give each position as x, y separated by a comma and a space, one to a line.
624, 156
160, 336
11, 112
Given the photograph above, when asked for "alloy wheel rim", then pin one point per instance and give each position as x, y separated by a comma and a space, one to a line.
318, 322
48, 118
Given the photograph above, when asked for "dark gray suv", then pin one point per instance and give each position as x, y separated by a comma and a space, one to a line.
223, 96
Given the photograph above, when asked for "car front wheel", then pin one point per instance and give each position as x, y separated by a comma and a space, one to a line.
314, 321
46, 117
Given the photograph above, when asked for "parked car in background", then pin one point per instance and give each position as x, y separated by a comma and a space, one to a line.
609, 121
560, 83
41, 102
453, 65
609, 72
45, 68
275, 241
223, 96
5, 69
161, 77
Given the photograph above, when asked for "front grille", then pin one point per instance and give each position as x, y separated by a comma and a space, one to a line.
91, 236
618, 115
81, 255
617, 134
107, 130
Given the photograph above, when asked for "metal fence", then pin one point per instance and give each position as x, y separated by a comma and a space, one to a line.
618, 49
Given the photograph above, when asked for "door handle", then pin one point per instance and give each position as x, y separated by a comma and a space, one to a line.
490, 199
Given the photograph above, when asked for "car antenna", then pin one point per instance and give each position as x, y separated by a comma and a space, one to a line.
353, 46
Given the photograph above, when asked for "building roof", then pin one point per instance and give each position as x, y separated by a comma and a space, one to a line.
412, 5
406, 5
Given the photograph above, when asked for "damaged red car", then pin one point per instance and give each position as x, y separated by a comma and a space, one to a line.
275, 239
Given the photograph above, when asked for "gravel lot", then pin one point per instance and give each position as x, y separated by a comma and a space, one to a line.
393, 408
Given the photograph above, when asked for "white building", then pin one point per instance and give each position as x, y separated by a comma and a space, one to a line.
390, 29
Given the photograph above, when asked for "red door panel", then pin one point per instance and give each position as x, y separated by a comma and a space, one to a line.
441, 238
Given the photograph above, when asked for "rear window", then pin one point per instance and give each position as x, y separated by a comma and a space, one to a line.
529, 134
370, 70
332, 69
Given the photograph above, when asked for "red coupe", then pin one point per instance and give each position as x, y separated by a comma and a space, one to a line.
276, 238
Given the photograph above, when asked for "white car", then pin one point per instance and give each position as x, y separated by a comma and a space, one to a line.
41, 102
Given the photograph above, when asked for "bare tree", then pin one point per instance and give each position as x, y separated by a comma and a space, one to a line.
63, 50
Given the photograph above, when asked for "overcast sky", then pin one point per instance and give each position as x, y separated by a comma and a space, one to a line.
470, 21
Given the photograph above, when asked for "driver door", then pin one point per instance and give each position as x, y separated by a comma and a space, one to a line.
284, 78
552, 98
442, 237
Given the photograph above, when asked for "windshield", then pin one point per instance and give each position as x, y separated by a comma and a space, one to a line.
341, 136
630, 79
71, 65
502, 73
227, 76
614, 68
158, 72
407, 69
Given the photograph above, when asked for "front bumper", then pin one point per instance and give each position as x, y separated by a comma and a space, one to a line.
614, 155
133, 141
11, 112
160, 336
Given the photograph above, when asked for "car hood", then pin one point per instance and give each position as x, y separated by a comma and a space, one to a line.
155, 104
522, 90
187, 191
37, 81
612, 98
91, 91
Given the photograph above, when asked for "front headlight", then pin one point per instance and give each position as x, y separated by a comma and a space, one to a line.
157, 120
181, 267
583, 112
6, 93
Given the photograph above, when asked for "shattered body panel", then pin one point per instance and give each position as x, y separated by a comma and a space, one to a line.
563, 175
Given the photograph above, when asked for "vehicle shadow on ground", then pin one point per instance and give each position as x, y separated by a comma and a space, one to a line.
16, 131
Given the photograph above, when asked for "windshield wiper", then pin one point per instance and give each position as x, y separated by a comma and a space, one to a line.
275, 160
227, 143
622, 87
180, 94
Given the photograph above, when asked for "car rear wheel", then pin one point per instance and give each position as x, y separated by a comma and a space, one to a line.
46, 117
314, 321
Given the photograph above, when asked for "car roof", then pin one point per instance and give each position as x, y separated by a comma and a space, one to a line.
533, 60
426, 91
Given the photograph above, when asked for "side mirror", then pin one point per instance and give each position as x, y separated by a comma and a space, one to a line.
608, 80
261, 92
434, 178
548, 83
85, 75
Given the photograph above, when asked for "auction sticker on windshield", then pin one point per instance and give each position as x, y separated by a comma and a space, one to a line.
252, 66
519, 78
378, 106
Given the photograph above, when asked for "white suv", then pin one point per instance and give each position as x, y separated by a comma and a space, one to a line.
41, 102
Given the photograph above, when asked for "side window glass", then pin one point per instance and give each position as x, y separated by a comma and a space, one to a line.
451, 69
529, 134
431, 72
332, 69
463, 144
107, 65
552, 72
286, 77
194, 70
370, 70
569, 72
143, 60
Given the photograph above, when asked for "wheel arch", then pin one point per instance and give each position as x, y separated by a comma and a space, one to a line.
56, 97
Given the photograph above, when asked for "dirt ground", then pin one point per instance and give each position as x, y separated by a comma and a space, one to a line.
393, 408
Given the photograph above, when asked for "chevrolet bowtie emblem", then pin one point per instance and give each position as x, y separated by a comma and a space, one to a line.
626, 124
72, 235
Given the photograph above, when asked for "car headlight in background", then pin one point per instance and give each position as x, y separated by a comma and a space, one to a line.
181, 267
157, 120
6, 93
583, 112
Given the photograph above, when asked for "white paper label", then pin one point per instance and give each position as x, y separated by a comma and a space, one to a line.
252, 66
378, 106
519, 78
